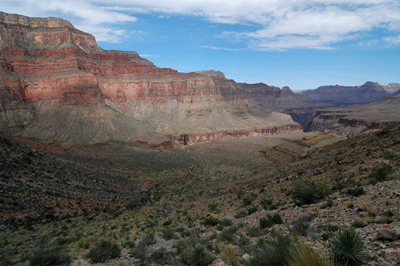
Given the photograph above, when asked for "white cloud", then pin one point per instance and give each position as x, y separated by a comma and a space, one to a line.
218, 48
313, 24
392, 39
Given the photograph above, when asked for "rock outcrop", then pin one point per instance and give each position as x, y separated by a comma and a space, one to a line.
353, 121
58, 84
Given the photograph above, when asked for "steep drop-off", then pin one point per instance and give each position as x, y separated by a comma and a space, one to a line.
353, 121
282, 100
58, 84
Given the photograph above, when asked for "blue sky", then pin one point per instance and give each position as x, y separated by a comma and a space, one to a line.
302, 44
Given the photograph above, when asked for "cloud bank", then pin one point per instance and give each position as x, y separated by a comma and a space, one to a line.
273, 24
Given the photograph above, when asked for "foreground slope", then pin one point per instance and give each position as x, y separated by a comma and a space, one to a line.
58, 84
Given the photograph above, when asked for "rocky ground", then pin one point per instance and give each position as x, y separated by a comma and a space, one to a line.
227, 198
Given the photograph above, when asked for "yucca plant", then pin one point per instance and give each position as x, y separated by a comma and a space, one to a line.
348, 248
304, 255
200, 256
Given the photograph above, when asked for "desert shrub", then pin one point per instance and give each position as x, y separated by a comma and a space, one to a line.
211, 221
252, 210
226, 222
230, 257
103, 251
303, 255
168, 233
254, 231
140, 250
161, 256
379, 174
307, 192
358, 224
213, 207
247, 201
348, 248
229, 234
300, 226
268, 203
199, 256
269, 220
241, 214
49, 257
275, 252
355, 192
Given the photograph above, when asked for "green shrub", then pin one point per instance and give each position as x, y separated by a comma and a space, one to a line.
268, 203
348, 248
103, 251
300, 226
241, 214
168, 234
247, 201
140, 250
229, 234
303, 255
269, 220
254, 231
199, 256
274, 252
211, 221
161, 256
49, 257
226, 222
307, 192
379, 174
355, 192
252, 210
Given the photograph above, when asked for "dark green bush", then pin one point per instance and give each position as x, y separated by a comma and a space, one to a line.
103, 251
379, 174
307, 192
275, 252
355, 192
49, 257
168, 234
268, 203
226, 222
241, 214
348, 248
254, 231
140, 250
252, 210
211, 221
269, 220
229, 234
300, 226
199, 256
247, 200
161, 256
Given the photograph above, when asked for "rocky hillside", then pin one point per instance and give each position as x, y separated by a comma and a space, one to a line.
57, 84
353, 121
346, 95
229, 203
284, 100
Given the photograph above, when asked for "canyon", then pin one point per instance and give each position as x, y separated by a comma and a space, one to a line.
59, 86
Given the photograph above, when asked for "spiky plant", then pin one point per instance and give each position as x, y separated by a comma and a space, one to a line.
304, 255
200, 256
230, 256
348, 248
274, 252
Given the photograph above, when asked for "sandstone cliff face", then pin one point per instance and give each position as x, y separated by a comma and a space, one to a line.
57, 84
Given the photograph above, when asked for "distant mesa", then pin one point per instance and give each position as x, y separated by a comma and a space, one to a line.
58, 86
349, 95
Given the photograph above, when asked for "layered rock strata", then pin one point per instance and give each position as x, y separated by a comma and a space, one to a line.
57, 84
353, 121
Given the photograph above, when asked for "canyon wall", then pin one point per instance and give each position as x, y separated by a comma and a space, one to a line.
57, 84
